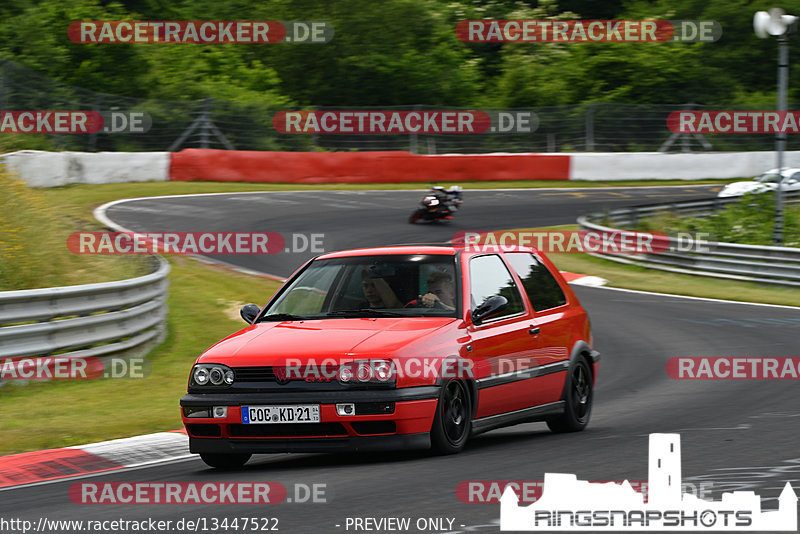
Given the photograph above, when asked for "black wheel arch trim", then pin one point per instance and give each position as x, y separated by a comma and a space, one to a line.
580, 349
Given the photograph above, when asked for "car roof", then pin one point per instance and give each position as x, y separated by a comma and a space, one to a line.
444, 249
786, 170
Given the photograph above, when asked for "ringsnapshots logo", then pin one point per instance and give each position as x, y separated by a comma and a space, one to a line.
569, 504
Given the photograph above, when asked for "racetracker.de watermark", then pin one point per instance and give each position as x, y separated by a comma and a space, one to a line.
216, 243
588, 31
355, 370
406, 122
733, 368
74, 122
177, 493
200, 31
582, 241
734, 122
529, 491
72, 368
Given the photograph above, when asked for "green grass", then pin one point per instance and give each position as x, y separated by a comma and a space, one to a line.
749, 221
33, 237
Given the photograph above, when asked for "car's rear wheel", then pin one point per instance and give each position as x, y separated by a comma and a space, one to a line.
225, 461
453, 419
578, 397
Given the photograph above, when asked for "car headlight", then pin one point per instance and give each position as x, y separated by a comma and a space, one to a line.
367, 372
211, 374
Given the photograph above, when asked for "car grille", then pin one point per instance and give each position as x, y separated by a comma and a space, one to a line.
254, 374
204, 430
279, 374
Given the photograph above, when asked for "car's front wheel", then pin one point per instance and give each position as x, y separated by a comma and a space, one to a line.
453, 419
578, 397
417, 215
225, 461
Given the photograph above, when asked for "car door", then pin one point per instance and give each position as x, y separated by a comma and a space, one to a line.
501, 344
551, 325
792, 183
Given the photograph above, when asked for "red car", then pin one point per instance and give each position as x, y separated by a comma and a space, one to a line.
412, 346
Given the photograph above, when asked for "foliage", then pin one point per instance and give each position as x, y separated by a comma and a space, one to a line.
404, 52
749, 221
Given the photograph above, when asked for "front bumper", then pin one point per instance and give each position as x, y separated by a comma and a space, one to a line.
406, 425
364, 443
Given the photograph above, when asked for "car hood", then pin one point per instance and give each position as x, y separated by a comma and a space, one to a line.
741, 188
273, 343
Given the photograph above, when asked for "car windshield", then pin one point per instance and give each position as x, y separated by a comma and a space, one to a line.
769, 178
414, 285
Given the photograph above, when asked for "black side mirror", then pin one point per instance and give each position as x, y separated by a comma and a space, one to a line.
249, 312
491, 306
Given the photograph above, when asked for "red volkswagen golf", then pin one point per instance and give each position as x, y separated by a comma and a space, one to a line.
412, 346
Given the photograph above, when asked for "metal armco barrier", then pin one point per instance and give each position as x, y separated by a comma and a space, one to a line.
765, 264
119, 318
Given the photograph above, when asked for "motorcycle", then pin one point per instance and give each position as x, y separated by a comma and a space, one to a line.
439, 203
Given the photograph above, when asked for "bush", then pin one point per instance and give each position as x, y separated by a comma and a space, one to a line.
750, 221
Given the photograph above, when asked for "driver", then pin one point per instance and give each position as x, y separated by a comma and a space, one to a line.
441, 292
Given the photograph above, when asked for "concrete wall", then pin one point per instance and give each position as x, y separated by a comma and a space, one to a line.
661, 166
49, 169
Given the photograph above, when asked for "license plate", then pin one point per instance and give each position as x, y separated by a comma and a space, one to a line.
298, 413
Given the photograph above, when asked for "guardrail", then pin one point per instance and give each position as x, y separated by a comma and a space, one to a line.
765, 264
121, 318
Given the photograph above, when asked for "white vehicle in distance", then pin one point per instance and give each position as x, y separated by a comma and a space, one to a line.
764, 183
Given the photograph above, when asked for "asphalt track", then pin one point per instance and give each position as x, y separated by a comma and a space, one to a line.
349, 219
737, 434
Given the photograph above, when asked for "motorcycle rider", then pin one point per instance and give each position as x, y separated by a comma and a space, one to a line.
449, 197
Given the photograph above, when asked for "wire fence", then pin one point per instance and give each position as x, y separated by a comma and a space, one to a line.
214, 123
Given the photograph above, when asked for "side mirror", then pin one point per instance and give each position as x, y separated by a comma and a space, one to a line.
249, 312
491, 306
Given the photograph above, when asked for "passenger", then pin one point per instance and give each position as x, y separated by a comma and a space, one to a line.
378, 292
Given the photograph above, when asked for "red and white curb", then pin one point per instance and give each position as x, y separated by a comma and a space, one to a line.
54, 464
583, 279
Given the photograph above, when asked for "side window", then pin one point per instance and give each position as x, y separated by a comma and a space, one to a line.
540, 285
488, 276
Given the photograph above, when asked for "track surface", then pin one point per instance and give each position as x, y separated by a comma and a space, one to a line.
351, 219
735, 434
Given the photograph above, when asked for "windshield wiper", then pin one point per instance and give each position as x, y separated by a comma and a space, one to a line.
282, 317
371, 312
